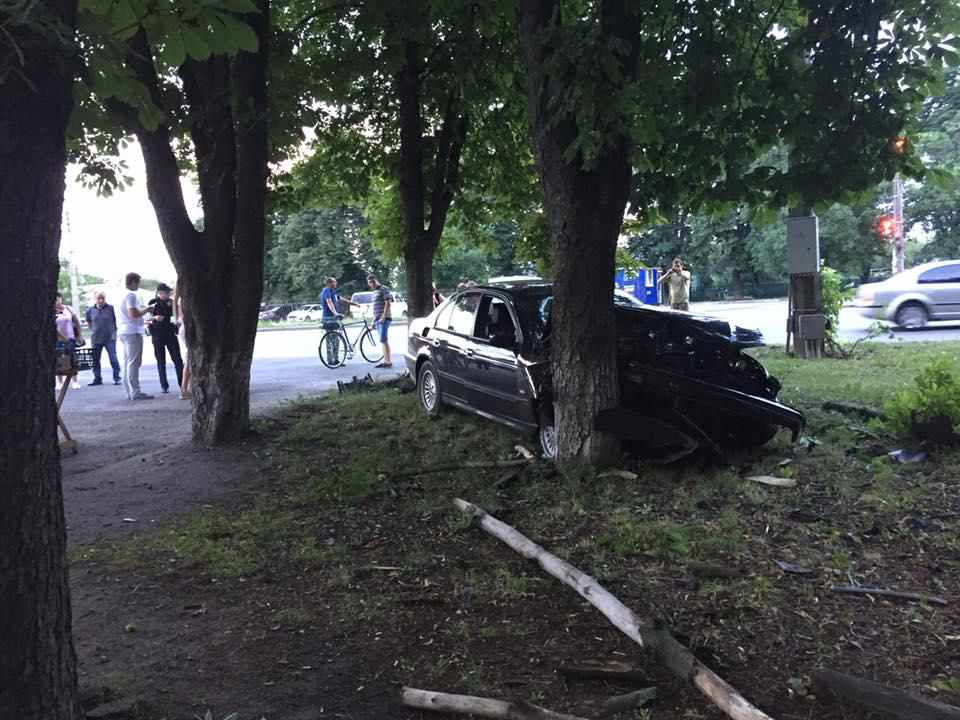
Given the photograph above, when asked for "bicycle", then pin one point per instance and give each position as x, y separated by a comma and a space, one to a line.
336, 348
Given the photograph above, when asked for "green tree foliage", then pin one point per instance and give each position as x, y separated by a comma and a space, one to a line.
315, 244
936, 203
411, 107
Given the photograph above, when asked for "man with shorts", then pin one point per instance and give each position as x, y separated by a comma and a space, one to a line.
381, 316
678, 282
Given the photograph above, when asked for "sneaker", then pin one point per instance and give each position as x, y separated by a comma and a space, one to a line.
142, 396
95, 382
118, 382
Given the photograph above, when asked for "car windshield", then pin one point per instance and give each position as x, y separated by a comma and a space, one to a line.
534, 306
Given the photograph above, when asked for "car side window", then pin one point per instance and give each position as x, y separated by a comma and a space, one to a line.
943, 274
459, 317
494, 322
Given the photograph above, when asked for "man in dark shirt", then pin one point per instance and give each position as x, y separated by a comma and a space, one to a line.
330, 300
163, 333
381, 316
102, 322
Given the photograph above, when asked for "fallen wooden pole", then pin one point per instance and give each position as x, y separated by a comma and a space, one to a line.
858, 590
479, 706
616, 670
644, 632
883, 699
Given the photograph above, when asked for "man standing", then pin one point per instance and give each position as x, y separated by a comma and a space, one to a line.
381, 317
131, 335
678, 282
163, 333
102, 322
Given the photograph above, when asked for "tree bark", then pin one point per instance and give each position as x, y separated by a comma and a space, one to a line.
584, 207
219, 267
37, 664
422, 232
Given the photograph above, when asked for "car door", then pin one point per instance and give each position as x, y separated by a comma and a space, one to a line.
496, 385
942, 286
450, 338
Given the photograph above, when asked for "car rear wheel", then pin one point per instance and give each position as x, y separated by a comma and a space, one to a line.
912, 315
428, 389
547, 434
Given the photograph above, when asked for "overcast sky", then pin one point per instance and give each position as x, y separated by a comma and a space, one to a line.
116, 235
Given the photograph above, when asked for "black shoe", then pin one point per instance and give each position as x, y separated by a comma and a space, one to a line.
166, 391
95, 382
118, 382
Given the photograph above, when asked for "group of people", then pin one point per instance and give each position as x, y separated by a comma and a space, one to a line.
382, 317
167, 331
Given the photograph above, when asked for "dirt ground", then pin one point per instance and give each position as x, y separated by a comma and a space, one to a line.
312, 579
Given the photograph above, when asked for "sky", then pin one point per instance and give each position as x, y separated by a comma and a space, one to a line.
112, 236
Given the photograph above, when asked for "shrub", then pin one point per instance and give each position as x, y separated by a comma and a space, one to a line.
931, 407
833, 296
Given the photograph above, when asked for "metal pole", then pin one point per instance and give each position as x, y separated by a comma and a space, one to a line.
897, 264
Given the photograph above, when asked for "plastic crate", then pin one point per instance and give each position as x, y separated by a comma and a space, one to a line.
83, 357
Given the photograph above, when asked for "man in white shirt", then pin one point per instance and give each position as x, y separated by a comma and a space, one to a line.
678, 281
131, 335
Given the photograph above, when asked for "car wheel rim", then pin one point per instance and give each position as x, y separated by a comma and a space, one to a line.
913, 317
548, 440
428, 390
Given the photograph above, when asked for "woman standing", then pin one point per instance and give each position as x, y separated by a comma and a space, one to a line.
182, 338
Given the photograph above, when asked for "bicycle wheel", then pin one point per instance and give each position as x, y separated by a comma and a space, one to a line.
370, 346
333, 349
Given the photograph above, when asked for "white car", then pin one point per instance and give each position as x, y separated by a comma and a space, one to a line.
307, 313
398, 305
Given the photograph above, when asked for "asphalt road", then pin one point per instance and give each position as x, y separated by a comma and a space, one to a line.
770, 317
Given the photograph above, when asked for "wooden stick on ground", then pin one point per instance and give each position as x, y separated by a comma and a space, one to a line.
858, 590
644, 632
481, 707
886, 700
602, 670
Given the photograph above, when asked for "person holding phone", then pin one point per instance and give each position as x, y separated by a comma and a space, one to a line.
163, 333
677, 281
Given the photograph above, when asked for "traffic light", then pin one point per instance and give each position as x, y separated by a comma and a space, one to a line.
886, 226
899, 145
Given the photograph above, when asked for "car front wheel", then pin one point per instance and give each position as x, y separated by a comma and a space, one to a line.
912, 315
428, 389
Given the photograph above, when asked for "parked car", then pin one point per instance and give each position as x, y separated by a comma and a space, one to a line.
685, 381
307, 313
914, 297
398, 305
276, 312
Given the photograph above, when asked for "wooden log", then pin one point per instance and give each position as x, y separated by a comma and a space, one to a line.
644, 632
629, 701
479, 706
602, 670
858, 590
882, 699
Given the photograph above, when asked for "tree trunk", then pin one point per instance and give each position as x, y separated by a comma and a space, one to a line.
584, 208
37, 663
220, 268
418, 262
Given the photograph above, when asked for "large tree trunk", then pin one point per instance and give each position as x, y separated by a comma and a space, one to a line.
220, 267
37, 661
584, 208
422, 236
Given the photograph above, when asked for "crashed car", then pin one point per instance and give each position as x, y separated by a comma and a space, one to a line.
686, 383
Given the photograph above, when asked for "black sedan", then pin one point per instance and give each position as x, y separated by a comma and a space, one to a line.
686, 383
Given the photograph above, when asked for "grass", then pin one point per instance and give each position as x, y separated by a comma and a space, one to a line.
383, 552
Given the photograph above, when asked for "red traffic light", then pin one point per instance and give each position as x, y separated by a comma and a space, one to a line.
886, 226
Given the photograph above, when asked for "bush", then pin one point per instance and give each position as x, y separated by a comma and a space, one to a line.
931, 409
834, 294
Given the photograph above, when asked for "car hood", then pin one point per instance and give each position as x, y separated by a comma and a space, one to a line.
690, 324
